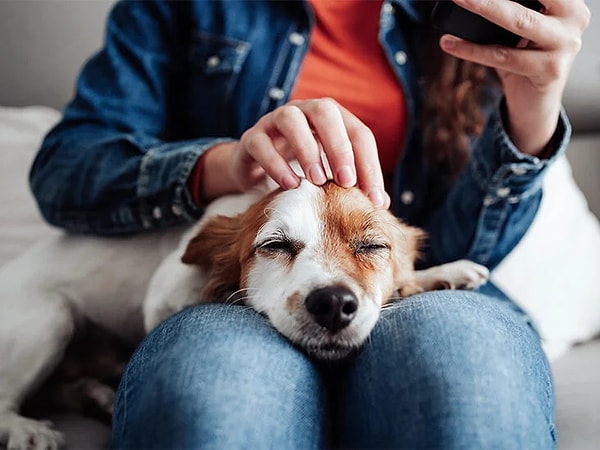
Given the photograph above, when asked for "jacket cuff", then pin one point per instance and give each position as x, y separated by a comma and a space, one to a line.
502, 171
172, 167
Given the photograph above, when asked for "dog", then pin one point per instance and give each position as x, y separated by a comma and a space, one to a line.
318, 261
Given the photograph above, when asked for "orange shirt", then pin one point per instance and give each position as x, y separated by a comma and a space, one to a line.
346, 62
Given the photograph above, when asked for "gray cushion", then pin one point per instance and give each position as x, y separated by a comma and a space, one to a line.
577, 380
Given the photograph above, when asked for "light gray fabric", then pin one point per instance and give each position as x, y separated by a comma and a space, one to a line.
577, 379
82, 433
43, 45
584, 156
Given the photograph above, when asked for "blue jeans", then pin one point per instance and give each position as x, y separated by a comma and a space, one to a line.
445, 369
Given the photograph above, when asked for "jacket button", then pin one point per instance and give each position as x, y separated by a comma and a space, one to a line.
400, 57
213, 61
503, 192
296, 38
176, 210
276, 93
157, 213
407, 197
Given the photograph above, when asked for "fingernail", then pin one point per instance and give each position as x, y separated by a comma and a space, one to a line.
316, 174
376, 198
289, 182
345, 176
449, 42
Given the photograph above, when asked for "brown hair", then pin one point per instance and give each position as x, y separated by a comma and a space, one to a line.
452, 111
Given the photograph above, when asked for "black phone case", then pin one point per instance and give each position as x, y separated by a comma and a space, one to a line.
451, 18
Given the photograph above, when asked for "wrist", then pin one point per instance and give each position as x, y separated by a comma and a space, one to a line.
211, 178
531, 126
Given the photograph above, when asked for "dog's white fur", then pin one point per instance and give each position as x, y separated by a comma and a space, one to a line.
129, 285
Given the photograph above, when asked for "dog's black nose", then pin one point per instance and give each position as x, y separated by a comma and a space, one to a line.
333, 307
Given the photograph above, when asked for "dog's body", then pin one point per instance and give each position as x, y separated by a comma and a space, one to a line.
318, 261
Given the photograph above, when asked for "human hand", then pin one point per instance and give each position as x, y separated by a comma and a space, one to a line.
317, 133
535, 73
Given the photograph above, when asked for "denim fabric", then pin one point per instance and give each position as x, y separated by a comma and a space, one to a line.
446, 369
174, 78
220, 377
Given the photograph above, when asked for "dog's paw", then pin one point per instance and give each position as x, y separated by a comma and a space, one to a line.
464, 274
87, 396
100, 397
21, 433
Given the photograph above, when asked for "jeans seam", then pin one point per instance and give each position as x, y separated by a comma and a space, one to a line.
124, 407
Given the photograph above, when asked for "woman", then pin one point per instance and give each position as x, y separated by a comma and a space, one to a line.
188, 101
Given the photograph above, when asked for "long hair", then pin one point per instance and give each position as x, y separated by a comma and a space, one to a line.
452, 110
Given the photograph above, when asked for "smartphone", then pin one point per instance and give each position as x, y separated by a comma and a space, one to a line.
451, 18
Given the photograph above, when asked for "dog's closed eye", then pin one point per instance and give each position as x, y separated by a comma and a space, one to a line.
280, 245
370, 247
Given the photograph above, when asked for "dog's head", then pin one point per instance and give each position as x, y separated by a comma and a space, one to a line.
318, 261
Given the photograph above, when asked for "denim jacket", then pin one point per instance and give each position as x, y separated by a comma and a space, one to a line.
175, 78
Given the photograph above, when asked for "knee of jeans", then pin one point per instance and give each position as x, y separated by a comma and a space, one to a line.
217, 366
458, 334
197, 335
215, 349
453, 360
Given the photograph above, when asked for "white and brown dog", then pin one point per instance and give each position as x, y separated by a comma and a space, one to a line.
319, 262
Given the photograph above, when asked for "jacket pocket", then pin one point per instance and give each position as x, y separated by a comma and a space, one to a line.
215, 62
218, 55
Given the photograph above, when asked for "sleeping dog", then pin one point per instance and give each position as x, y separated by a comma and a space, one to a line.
318, 261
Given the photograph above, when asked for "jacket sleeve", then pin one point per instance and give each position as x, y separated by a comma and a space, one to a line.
494, 201
116, 163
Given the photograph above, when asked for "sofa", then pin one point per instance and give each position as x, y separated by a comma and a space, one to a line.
552, 273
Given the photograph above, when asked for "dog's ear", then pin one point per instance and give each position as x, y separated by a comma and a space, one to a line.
216, 250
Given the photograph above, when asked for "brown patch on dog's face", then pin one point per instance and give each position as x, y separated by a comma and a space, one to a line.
294, 303
224, 248
365, 241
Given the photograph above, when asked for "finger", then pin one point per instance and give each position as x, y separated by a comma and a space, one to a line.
250, 172
561, 7
258, 147
574, 12
577, 10
368, 167
525, 62
524, 22
299, 141
326, 119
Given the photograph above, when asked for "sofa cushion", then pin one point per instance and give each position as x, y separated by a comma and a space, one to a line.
578, 397
553, 271
21, 132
